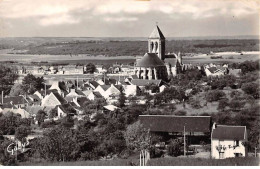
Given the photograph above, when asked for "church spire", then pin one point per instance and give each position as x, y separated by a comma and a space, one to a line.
157, 33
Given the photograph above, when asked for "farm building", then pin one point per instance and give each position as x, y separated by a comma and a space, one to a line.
197, 128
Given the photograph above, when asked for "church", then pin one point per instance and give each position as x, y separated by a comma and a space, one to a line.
155, 64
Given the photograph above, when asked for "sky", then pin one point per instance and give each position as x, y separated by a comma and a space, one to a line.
128, 18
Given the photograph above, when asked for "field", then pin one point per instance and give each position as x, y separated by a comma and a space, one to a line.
172, 161
120, 46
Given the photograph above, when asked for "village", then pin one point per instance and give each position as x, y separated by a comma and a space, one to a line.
159, 93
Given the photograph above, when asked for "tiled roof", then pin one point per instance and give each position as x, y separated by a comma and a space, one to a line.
94, 83
59, 97
33, 110
67, 108
81, 101
212, 69
168, 123
224, 132
14, 100
97, 94
143, 82
42, 92
150, 60
105, 87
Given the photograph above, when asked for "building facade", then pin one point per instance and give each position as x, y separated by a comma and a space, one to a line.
228, 141
156, 64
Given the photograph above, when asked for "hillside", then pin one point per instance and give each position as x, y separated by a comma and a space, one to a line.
120, 47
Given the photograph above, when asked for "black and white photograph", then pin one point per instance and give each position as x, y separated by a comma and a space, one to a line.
129, 83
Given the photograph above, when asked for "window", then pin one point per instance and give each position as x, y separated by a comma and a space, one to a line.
237, 143
221, 155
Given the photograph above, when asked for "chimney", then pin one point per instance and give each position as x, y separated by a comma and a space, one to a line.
2, 97
214, 126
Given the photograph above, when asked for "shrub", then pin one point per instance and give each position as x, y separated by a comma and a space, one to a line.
251, 89
215, 95
222, 104
155, 152
180, 113
236, 105
174, 148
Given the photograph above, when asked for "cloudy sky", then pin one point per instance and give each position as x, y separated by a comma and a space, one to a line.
128, 18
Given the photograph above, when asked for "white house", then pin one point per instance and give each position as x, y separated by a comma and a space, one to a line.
52, 100
215, 71
228, 141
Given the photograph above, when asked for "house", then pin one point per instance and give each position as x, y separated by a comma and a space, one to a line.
197, 128
57, 86
22, 112
143, 82
94, 95
215, 71
65, 110
113, 90
228, 141
74, 94
93, 84
102, 90
234, 72
33, 110
52, 100
130, 90
17, 101
41, 93
34, 99
73, 69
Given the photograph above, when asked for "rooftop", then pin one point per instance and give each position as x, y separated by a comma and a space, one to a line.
225, 132
150, 60
157, 33
169, 123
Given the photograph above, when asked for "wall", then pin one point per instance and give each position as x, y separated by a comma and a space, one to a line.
229, 152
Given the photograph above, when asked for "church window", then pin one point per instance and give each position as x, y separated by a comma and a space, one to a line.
152, 46
156, 46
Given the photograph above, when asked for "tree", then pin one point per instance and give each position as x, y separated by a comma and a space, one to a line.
40, 116
22, 132
16, 90
214, 95
7, 76
122, 98
31, 83
174, 148
251, 89
137, 137
53, 113
236, 105
222, 104
90, 68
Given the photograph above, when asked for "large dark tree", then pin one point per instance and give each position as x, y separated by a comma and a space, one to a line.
7, 75
32, 83
40, 116
90, 68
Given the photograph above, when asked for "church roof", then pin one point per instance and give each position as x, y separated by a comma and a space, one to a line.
157, 33
150, 60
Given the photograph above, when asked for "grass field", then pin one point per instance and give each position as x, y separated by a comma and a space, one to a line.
250, 161
172, 161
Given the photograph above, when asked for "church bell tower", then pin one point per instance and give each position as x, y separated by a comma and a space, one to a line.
156, 43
